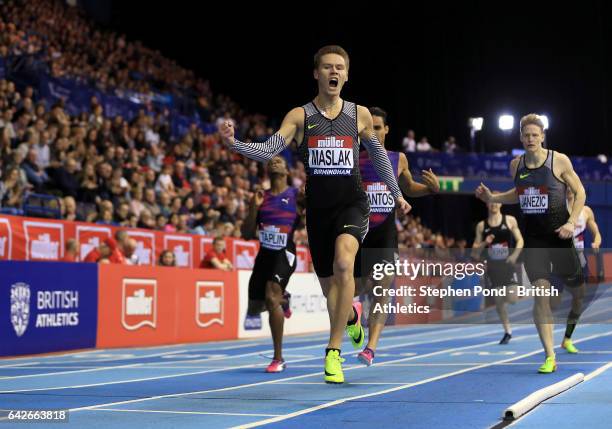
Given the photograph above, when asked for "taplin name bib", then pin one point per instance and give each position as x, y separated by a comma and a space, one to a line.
533, 199
274, 237
330, 156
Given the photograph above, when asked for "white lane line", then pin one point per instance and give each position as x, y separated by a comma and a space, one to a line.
395, 389
318, 383
297, 377
80, 371
205, 413
598, 371
19, 364
144, 366
501, 364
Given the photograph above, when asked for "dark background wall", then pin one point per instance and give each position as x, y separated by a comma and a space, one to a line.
431, 66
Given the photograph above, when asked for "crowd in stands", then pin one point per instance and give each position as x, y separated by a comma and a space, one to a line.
131, 172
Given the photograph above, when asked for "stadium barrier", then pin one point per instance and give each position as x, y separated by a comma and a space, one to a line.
34, 239
47, 307
59, 306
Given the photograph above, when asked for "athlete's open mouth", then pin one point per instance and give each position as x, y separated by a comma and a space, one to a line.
333, 82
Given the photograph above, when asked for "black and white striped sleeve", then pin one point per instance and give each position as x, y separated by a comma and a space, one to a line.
382, 165
261, 151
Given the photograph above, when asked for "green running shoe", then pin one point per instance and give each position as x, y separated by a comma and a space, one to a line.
550, 365
356, 332
569, 346
333, 368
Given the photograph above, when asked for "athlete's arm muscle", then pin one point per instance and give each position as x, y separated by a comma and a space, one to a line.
593, 227
412, 188
518, 238
291, 127
508, 197
478, 243
377, 154
563, 166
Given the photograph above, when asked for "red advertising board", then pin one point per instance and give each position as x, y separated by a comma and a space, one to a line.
23, 238
140, 306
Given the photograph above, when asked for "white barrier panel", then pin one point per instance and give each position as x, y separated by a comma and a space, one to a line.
308, 304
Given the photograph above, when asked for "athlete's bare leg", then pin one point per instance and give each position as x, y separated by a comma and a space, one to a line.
542, 316
376, 321
274, 298
502, 312
340, 288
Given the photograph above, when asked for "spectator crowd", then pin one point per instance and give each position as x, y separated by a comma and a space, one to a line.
132, 172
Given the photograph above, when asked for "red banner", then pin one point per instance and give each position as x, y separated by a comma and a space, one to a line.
142, 306
34, 239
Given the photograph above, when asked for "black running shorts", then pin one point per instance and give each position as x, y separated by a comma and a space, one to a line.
275, 266
324, 225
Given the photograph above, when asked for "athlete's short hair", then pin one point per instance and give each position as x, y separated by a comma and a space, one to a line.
331, 49
532, 119
377, 111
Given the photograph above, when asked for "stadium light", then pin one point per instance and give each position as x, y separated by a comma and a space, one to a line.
475, 123
544, 119
506, 122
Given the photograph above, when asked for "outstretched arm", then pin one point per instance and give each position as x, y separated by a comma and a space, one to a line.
293, 122
412, 188
379, 157
509, 197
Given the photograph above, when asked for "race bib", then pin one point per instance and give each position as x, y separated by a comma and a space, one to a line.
273, 237
381, 200
533, 200
499, 251
330, 156
579, 241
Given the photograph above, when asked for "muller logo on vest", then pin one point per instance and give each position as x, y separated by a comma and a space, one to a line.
533, 199
330, 155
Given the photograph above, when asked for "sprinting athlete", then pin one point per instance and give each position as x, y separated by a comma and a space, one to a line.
585, 220
328, 131
541, 179
274, 213
380, 245
499, 234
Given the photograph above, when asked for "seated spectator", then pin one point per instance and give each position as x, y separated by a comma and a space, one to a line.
217, 257
160, 222
106, 217
11, 191
164, 182
71, 253
146, 220
173, 225
70, 209
150, 202
88, 190
136, 205
167, 259
66, 179
122, 214
35, 174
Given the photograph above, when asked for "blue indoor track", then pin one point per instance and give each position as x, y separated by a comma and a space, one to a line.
434, 376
